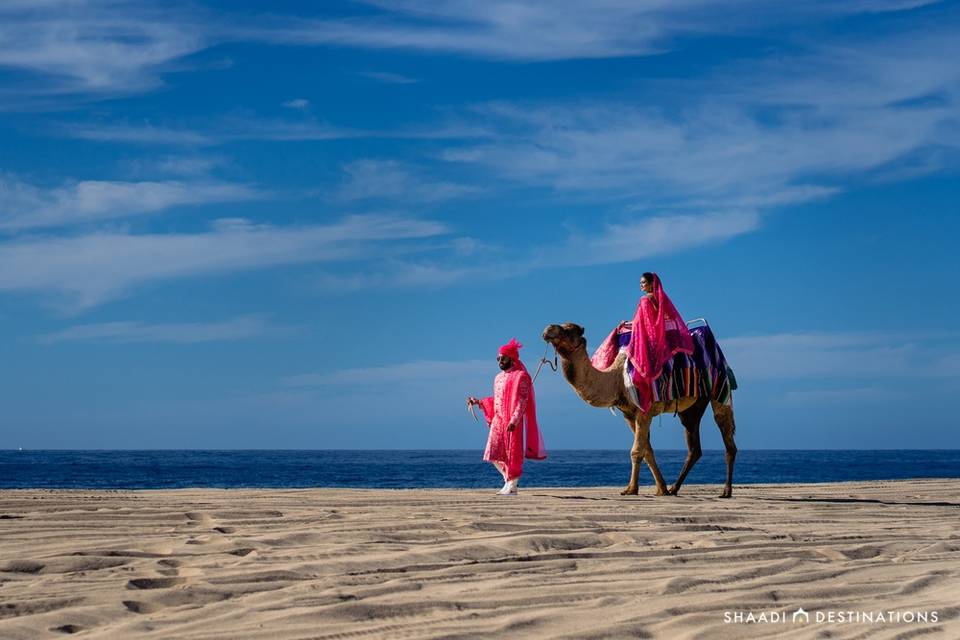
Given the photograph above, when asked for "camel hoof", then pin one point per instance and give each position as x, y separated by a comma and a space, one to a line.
672, 491
663, 492
727, 493
629, 491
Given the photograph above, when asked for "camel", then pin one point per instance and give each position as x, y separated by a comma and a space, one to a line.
606, 388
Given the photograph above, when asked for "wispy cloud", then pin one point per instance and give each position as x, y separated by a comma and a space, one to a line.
89, 269
94, 47
231, 128
846, 396
104, 48
186, 165
790, 133
656, 235
787, 131
410, 274
405, 372
459, 262
225, 129
875, 355
136, 134
390, 180
907, 70
297, 103
25, 206
717, 151
387, 78
532, 31
239, 328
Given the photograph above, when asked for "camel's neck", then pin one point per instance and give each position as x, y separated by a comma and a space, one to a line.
598, 388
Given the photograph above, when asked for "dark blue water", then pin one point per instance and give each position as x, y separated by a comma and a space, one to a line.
415, 469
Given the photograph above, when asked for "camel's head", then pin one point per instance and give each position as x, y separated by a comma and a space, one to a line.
565, 338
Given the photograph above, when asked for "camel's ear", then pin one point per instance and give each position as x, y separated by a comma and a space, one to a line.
575, 328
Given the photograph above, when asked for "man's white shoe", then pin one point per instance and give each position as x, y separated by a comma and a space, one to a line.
509, 489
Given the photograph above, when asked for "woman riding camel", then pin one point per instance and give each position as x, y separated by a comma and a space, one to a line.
658, 333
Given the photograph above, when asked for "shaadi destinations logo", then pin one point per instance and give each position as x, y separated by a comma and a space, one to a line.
831, 616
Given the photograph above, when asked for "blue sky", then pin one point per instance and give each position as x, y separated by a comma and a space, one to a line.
310, 225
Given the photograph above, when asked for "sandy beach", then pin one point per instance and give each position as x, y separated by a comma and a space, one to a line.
566, 563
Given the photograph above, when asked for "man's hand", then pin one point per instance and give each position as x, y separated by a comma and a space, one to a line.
511, 427
471, 401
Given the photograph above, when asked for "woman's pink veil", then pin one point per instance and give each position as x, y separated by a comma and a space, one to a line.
659, 333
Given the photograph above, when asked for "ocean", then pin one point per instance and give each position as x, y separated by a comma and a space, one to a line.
392, 469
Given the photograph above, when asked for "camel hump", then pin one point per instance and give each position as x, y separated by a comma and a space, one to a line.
618, 362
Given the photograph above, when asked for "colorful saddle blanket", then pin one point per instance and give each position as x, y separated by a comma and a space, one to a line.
705, 374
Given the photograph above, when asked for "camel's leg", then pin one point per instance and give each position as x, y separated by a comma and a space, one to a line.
643, 450
724, 418
691, 424
632, 488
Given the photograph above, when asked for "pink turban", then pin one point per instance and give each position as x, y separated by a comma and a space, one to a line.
511, 349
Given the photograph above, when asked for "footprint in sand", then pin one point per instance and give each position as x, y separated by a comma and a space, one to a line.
195, 596
22, 566
154, 583
205, 520
195, 518
68, 628
137, 606
141, 607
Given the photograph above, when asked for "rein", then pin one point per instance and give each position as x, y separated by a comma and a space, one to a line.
553, 365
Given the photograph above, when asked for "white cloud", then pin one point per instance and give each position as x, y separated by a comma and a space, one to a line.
387, 78
103, 47
225, 129
390, 180
880, 355
229, 128
25, 206
186, 165
900, 71
397, 273
297, 103
656, 235
717, 151
137, 133
239, 328
90, 269
841, 396
405, 372
462, 260
760, 137
564, 29
784, 131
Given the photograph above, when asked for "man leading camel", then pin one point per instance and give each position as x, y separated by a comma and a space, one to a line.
512, 405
